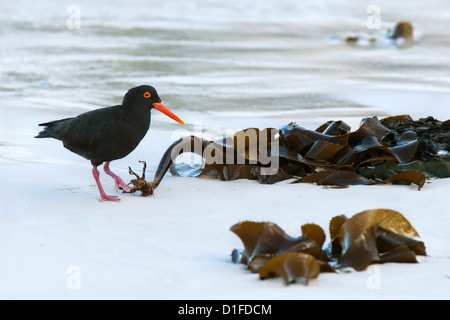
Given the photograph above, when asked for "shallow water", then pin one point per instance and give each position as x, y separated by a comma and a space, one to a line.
226, 64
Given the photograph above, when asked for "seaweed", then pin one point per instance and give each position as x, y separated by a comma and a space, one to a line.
292, 266
262, 240
394, 150
334, 155
368, 237
139, 184
360, 238
433, 136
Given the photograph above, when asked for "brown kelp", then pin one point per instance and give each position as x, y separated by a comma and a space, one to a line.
368, 237
395, 150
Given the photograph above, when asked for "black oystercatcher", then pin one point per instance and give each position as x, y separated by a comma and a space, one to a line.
107, 134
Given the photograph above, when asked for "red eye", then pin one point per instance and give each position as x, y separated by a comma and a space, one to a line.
147, 95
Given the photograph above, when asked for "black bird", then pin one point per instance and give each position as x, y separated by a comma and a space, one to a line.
108, 134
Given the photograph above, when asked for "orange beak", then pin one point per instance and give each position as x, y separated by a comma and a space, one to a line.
167, 112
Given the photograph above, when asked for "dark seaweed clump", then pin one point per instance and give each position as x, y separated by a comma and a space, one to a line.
433, 136
395, 150
369, 237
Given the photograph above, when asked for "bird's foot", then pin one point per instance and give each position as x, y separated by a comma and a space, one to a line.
121, 185
109, 198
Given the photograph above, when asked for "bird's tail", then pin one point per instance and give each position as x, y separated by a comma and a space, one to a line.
43, 134
51, 129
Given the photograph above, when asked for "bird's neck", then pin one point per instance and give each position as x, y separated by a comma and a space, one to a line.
140, 115
136, 109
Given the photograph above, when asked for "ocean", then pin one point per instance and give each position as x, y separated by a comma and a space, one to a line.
233, 64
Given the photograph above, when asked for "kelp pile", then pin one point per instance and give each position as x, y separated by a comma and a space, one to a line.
432, 156
368, 237
395, 150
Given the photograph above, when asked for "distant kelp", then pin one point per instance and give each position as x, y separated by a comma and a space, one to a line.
395, 150
368, 237
401, 36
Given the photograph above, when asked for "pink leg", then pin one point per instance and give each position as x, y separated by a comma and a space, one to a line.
119, 182
103, 195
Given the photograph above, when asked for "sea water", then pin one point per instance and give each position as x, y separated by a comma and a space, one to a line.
223, 64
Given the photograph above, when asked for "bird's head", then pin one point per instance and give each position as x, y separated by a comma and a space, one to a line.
148, 97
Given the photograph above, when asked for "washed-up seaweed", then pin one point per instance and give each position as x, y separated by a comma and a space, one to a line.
292, 267
432, 155
139, 184
373, 235
262, 241
395, 150
368, 237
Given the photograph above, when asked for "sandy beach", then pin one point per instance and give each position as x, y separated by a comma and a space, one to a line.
58, 241
177, 244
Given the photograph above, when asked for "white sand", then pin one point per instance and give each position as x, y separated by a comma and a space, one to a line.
59, 242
